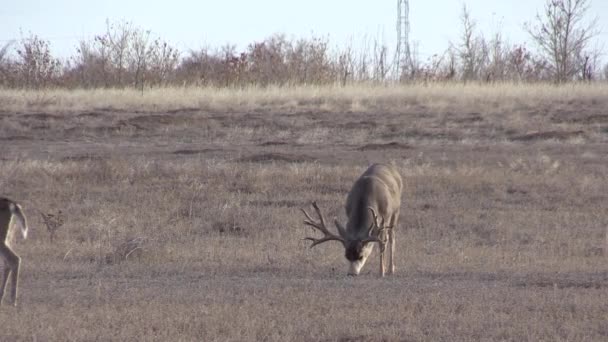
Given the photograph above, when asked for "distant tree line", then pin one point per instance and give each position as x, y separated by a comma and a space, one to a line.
128, 56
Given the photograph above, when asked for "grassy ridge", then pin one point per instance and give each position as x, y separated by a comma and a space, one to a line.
502, 233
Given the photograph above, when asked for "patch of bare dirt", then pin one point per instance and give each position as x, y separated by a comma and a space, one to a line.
365, 124
84, 157
277, 157
548, 135
279, 203
101, 130
469, 118
273, 143
385, 146
41, 116
16, 138
573, 117
91, 115
195, 151
160, 119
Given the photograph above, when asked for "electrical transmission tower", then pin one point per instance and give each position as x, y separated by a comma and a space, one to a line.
403, 56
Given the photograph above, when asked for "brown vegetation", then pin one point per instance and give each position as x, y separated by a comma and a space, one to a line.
501, 237
126, 56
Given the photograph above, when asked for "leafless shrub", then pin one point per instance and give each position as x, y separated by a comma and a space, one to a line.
124, 55
128, 56
472, 50
36, 67
162, 62
563, 37
381, 67
346, 65
53, 222
6, 65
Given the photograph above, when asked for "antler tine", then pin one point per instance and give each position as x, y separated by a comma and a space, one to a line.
314, 205
321, 240
329, 236
309, 221
374, 220
375, 224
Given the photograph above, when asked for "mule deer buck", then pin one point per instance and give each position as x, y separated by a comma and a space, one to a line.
8, 210
372, 208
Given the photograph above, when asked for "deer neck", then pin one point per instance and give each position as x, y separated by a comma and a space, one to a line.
359, 223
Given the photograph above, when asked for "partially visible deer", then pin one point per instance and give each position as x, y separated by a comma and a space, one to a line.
372, 208
8, 210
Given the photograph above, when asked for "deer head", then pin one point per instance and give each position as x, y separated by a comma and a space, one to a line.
357, 247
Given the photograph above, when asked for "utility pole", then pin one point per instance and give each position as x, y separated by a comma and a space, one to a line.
403, 58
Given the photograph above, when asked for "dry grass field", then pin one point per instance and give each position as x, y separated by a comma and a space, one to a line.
182, 218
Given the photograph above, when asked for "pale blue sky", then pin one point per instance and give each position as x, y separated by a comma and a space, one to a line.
191, 24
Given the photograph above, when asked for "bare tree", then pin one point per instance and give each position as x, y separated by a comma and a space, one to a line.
563, 36
5, 63
140, 51
380, 63
163, 61
4, 50
36, 66
473, 50
118, 37
497, 58
345, 65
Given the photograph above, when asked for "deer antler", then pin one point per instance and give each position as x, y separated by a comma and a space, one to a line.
320, 226
380, 226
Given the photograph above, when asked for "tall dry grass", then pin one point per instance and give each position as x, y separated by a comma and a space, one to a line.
357, 98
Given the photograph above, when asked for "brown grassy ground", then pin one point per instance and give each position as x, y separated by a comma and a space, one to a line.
502, 234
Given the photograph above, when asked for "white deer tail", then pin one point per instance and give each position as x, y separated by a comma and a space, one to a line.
18, 213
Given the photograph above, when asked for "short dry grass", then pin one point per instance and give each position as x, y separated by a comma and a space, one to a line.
182, 218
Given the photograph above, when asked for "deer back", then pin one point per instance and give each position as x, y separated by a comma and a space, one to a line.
379, 187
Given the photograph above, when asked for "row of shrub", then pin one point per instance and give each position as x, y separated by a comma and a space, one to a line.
128, 56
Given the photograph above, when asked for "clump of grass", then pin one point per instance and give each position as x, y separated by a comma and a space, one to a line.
53, 221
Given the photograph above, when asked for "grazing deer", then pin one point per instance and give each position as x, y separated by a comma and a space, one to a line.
373, 201
8, 209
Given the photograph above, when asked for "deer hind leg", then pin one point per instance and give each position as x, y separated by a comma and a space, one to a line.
391, 262
382, 264
11, 270
383, 253
391, 241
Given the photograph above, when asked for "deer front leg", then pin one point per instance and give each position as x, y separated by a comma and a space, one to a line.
382, 271
391, 238
6, 273
15, 280
11, 269
382, 246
